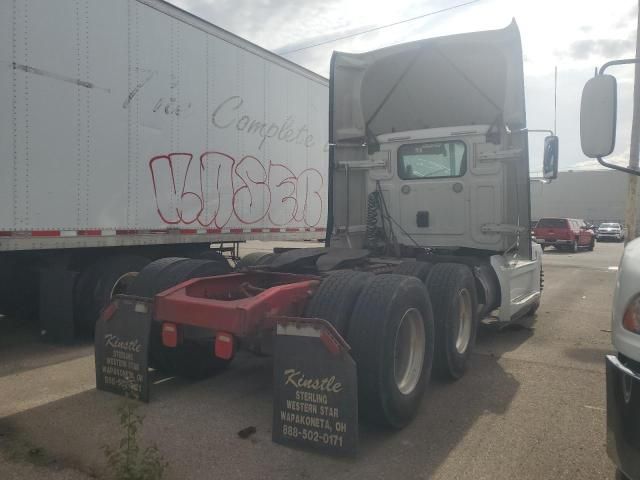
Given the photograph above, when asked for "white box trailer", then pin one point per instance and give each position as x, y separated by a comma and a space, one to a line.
131, 128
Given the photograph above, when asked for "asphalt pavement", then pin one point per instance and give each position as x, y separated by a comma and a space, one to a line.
531, 406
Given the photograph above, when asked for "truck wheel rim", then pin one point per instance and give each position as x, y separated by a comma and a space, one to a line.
465, 320
121, 285
409, 350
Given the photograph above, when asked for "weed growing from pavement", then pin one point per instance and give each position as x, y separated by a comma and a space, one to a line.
129, 461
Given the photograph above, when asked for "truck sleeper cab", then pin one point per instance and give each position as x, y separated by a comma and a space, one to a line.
430, 160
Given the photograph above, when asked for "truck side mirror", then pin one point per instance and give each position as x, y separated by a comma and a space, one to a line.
598, 116
550, 161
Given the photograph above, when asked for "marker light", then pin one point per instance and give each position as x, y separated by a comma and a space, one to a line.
631, 318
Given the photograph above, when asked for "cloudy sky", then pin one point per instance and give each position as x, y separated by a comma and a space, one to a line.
574, 35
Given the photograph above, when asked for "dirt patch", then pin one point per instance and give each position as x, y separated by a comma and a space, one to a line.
16, 448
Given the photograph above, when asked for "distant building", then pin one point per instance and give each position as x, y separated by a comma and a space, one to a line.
594, 195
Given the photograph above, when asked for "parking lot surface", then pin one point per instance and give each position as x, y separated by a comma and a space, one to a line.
532, 405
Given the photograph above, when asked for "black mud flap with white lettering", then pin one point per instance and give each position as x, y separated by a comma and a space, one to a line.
122, 347
315, 385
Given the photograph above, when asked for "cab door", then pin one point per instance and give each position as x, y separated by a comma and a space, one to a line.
432, 196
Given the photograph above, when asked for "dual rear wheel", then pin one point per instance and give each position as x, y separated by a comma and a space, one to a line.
387, 321
400, 327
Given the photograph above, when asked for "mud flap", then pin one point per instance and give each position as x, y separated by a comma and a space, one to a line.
315, 388
122, 347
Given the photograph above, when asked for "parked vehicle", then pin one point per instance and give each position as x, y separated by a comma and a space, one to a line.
567, 234
188, 136
610, 231
428, 230
598, 135
623, 369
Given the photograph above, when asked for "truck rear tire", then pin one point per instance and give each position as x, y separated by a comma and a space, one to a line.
214, 256
144, 284
392, 336
99, 282
194, 358
453, 295
254, 259
413, 269
170, 271
336, 297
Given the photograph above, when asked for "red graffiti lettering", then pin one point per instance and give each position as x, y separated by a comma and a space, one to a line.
252, 200
216, 178
217, 189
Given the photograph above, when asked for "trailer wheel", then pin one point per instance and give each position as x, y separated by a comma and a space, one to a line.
336, 296
99, 282
194, 357
453, 295
413, 269
392, 336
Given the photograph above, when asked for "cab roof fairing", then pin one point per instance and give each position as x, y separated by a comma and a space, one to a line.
466, 79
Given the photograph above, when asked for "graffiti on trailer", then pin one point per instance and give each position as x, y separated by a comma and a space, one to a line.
214, 188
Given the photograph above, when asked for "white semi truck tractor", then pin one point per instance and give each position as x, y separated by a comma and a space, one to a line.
427, 235
429, 168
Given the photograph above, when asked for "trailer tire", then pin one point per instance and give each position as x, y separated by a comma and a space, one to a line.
392, 337
413, 269
99, 282
194, 357
336, 297
454, 299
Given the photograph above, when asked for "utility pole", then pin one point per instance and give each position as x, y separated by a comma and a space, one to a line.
634, 150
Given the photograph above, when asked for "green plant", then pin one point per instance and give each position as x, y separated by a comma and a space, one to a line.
129, 461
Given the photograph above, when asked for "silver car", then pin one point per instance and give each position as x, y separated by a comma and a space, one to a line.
610, 231
623, 368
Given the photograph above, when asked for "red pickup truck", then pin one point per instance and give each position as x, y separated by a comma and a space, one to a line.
567, 234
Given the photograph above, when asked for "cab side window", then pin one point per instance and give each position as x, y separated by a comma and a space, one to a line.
432, 160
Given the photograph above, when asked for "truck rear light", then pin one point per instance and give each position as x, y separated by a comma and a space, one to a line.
631, 318
224, 346
169, 334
